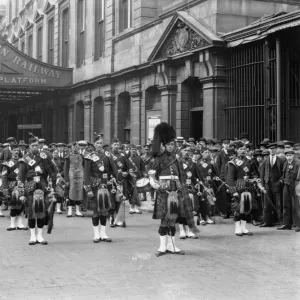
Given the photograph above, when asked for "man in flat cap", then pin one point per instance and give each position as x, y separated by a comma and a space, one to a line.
290, 199
270, 174
223, 203
6, 153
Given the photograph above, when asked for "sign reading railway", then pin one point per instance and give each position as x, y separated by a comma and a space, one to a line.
20, 70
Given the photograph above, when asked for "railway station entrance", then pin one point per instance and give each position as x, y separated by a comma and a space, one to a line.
33, 96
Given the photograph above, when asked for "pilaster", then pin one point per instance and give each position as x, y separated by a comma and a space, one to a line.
135, 97
87, 117
168, 103
109, 101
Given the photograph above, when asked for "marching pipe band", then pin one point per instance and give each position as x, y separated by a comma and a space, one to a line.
184, 182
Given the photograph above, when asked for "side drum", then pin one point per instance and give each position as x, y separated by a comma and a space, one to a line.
143, 185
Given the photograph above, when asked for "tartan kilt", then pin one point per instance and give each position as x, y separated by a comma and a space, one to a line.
29, 203
93, 205
30, 187
158, 212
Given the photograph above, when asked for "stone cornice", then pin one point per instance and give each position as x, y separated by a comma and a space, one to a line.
167, 88
155, 22
258, 28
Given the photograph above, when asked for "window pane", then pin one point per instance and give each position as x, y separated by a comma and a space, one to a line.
30, 45
51, 41
65, 38
39, 43
80, 32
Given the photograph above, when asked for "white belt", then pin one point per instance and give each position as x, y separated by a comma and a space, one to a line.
171, 177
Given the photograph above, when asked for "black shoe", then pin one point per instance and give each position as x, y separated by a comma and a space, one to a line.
11, 229
112, 225
297, 229
69, 216
42, 243
106, 240
284, 227
22, 228
1, 216
248, 233
96, 241
79, 216
31, 243
158, 253
266, 225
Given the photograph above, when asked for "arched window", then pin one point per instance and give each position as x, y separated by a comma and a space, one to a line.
153, 98
79, 121
192, 95
99, 115
124, 116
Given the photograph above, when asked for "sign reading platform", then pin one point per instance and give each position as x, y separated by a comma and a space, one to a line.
29, 126
18, 69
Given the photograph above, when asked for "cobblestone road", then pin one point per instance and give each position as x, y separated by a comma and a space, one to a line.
219, 265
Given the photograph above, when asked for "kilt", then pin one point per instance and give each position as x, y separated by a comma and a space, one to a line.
158, 212
29, 204
30, 186
94, 206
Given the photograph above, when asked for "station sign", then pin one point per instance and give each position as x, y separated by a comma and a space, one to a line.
29, 126
20, 70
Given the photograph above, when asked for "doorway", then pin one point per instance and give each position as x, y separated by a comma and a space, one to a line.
196, 124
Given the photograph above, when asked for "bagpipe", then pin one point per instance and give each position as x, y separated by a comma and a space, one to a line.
208, 191
242, 193
51, 199
117, 189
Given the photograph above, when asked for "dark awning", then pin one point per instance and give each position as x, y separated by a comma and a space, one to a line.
20, 71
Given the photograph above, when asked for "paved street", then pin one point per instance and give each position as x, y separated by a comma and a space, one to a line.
217, 266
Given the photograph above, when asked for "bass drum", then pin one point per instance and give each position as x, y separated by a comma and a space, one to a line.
143, 185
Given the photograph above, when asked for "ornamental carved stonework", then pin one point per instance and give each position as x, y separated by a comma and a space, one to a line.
181, 39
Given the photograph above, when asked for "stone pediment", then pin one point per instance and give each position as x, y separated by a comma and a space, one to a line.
49, 6
39, 15
14, 38
184, 34
21, 31
28, 24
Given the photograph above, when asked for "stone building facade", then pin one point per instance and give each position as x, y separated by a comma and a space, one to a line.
135, 63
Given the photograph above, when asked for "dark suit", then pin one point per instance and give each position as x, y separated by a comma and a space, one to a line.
290, 199
270, 178
223, 200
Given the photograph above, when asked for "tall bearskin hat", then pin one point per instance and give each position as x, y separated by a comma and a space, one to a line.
163, 134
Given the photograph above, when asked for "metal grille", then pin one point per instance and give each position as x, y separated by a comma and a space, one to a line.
251, 80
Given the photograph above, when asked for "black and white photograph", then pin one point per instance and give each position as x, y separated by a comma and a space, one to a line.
149, 149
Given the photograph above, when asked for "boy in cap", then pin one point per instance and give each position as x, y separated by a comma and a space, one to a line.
291, 208
73, 175
137, 172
